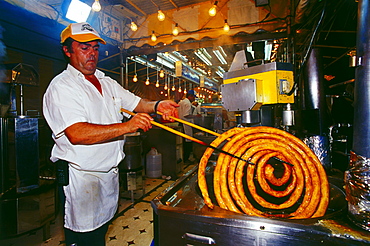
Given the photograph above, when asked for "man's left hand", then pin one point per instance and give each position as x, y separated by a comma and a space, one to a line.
168, 108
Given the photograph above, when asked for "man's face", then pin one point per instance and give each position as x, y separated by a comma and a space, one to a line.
84, 56
191, 98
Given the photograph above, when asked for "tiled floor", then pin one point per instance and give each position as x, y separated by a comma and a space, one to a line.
132, 225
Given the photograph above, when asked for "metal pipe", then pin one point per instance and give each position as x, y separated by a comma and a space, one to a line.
314, 89
357, 176
122, 73
361, 132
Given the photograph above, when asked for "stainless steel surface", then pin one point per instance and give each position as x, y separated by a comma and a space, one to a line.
251, 116
20, 154
239, 96
206, 121
182, 204
288, 116
212, 113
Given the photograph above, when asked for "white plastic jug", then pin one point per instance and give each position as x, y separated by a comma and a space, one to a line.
153, 164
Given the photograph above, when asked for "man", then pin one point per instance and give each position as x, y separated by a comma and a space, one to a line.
186, 113
83, 109
196, 108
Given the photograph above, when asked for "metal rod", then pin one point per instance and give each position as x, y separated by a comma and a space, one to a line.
189, 137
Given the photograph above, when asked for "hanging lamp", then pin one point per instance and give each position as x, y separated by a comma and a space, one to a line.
153, 37
226, 26
179, 87
161, 15
147, 82
173, 84
96, 6
175, 31
165, 83
133, 26
135, 76
213, 10
157, 83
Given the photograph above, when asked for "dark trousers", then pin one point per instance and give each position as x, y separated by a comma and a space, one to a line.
187, 149
91, 238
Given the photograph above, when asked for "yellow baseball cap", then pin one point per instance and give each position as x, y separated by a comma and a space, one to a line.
81, 32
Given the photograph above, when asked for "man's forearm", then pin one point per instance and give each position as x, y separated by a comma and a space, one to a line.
145, 106
87, 133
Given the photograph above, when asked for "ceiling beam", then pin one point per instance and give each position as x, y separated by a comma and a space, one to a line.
136, 7
174, 4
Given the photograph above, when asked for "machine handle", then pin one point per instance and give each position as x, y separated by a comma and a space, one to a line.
199, 238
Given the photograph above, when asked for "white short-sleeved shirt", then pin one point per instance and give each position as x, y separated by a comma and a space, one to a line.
92, 193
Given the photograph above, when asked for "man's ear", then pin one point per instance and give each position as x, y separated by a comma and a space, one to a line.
66, 51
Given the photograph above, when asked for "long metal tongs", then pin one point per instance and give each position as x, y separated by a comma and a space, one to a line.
217, 134
187, 136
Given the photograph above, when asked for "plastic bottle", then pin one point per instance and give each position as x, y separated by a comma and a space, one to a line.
153, 164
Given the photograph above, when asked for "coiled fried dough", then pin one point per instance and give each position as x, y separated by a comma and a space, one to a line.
295, 187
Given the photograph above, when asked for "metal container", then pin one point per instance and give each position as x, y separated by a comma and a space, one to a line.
19, 159
133, 153
206, 121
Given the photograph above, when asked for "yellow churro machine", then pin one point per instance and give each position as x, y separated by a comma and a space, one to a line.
258, 93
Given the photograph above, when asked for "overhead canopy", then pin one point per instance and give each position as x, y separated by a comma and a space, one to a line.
194, 23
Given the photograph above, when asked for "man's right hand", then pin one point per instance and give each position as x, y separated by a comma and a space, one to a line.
139, 121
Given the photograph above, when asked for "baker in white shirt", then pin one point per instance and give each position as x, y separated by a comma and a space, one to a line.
82, 106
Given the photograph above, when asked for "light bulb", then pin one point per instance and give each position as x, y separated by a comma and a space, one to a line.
161, 16
134, 78
157, 84
226, 27
180, 89
96, 6
212, 11
161, 92
185, 91
147, 82
133, 26
153, 37
161, 73
175, 31
165, 87
173, 88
